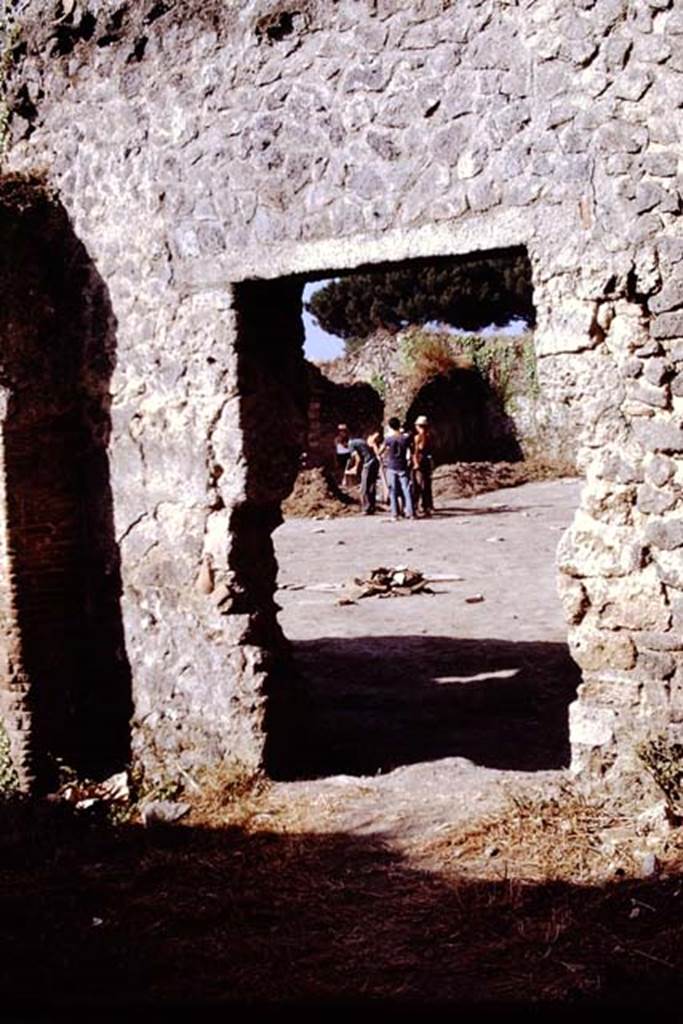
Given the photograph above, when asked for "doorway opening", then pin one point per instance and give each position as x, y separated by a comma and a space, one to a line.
68, 663
479, 668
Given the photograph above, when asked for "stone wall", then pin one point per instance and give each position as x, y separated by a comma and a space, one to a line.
481, 409
357, 404
209, 156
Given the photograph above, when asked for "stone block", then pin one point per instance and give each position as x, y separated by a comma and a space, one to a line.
669, 566
656, 370
654, 714
621, 137
633, 367
471, 163
632, 85
627, 332
637, 602
521, 193
618, 164
597, 650
574, 598
590, 726
661, 164
668, 325
656, 666
665, 534
655, 500
372, 77
482, 195
649, 349
610, 465
658, 435
617, 49
644, 229
608, 502
648, 394
611, 693
656, 640
670, 251
659, 469
590, 548
648, 196
652, 49
676, 700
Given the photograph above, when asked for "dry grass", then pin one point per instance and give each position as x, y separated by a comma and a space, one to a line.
568, 838
254, 899
429, 355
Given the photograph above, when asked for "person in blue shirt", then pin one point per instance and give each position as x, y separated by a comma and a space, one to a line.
396, 448
364, 452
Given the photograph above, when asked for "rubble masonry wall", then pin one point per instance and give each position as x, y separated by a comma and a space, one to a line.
208, 154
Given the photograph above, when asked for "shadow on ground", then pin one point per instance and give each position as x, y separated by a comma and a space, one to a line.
370, 704
95, 917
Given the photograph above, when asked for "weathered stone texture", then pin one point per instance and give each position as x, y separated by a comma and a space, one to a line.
214, 145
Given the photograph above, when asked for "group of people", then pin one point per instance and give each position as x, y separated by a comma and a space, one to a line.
403, 462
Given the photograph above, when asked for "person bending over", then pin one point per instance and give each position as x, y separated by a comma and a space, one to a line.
364, 453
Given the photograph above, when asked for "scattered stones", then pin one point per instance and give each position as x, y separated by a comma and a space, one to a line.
162, 812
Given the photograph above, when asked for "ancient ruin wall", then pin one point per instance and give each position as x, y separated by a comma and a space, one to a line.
198, 146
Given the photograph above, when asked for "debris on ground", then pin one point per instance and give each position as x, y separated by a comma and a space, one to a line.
399, 581
465, 479
316, 493
86, 793
163, 812
474, 599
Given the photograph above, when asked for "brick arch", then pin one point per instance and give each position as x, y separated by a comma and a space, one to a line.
66, 680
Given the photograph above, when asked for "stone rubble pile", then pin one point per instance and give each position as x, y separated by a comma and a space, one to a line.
391, 582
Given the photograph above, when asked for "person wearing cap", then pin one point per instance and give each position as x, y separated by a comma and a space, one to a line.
423, 463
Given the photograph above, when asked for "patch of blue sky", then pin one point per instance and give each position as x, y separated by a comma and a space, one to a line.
517, 325
319, 346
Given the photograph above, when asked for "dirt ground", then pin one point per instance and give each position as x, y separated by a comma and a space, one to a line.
316, 493
453, 692
427, 851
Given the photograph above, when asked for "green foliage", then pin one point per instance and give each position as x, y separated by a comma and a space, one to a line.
378, 382
664, 762
8, 776
469, 294
9, 35
506, 363
495, 358
142, 787
532, 387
